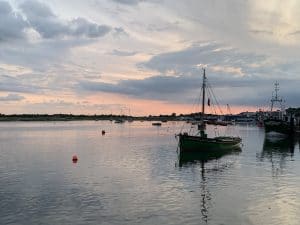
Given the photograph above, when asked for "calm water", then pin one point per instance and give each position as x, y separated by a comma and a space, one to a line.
132, 176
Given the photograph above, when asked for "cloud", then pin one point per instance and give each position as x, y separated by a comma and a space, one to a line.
168, 88
233, 75
48, 25
11, 98
267, 32
15, 84
41, 56
297, 32
187, 61
58, 50
134, 2
76, 107
186, 89
81, 26
12, 25
119, 31
122, 53
154, 87
128, 2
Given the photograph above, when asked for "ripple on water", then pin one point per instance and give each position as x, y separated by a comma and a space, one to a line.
132, 176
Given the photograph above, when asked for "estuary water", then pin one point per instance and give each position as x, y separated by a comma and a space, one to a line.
132, 175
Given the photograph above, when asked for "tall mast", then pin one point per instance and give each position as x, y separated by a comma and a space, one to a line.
203, 95
276, 97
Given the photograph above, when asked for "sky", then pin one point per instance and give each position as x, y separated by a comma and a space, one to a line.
143, 57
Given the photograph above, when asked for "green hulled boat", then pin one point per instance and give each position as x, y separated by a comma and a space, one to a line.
190, 143
200, 142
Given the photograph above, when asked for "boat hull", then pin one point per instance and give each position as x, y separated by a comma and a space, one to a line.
189, 143
278, 126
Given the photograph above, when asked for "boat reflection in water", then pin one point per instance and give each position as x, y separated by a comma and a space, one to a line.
278, 149
187, 159
204, 156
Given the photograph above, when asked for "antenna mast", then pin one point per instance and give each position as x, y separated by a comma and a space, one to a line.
276, 98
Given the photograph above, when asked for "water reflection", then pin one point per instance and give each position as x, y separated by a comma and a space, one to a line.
202, 159
278, 150
205, 195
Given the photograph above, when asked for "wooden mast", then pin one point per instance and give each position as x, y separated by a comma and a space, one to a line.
201, 126
203, 97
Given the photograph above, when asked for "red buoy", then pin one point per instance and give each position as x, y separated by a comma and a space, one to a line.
74, 158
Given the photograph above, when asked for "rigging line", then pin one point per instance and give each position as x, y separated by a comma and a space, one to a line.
217, 103
195, 103
216, 130
215, 99
212, 102
198, 103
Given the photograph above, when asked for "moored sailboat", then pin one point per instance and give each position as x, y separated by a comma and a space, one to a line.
200, 142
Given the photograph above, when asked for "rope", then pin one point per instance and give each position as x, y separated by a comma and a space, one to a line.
208, 84
195, 103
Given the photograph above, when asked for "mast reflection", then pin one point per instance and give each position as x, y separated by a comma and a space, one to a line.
185, 158
202, 158
278, 150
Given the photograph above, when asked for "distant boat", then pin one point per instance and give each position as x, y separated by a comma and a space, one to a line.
200, 142
130, 119
156, 124
219, 122
119, 121
277, 121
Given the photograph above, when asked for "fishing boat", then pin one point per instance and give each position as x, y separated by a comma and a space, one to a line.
277, 120
200, 142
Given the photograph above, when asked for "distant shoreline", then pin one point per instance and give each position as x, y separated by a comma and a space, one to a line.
111, 117
71, 117
243, 116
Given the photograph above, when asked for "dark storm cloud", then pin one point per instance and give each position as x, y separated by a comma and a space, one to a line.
48, 25
12, 25
11, 98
